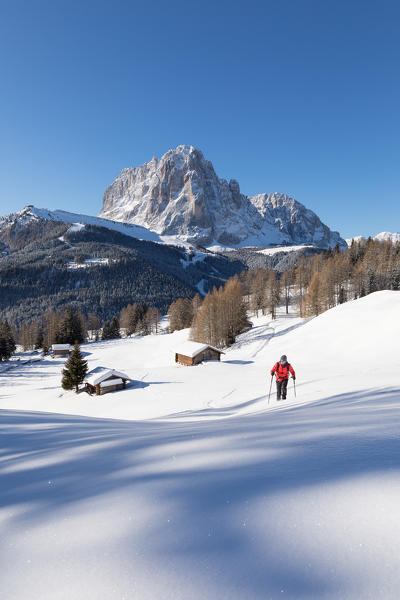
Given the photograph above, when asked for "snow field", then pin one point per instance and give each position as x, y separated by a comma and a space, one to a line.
205, 491
352, 347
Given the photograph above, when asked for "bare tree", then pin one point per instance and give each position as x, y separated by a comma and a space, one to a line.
272, 293
180, 314
257, 291
153, 318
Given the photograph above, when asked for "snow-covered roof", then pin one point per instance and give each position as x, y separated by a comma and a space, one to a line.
61, 347
192, 349
99, 374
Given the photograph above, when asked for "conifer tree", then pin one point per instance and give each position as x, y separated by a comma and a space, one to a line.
7, 342
69, 328
106, 331
75, 370
114, 328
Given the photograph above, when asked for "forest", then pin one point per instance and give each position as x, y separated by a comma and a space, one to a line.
313, 285
45, 267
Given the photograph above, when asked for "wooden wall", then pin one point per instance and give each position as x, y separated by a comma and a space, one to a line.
207, 354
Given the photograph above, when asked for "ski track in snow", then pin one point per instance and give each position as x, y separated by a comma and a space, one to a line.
207, 492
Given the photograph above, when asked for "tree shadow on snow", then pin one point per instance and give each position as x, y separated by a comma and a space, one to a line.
332, 440
238, 362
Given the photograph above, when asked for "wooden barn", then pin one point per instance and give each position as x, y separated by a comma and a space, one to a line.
61, 350
193, 353
101, 380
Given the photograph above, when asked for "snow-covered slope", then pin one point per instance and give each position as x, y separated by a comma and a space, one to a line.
31, 213
227, 497
181, 195
336, 344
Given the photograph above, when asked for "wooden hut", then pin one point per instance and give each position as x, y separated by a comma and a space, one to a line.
101, 380
61, 350
193, 353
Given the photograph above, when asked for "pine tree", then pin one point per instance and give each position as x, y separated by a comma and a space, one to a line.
75, 370
7, 342
70, 328
114, 328
106, 331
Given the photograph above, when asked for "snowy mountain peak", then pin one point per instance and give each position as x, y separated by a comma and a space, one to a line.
181, 195
386, 235
381, 237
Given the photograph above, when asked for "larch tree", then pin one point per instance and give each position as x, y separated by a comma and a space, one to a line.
272, 293
180, 314
257, 291
312, 304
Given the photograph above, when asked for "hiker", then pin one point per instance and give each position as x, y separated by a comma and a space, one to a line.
282, 369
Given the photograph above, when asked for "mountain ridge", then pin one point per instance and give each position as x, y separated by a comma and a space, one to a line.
383, 236
181, 195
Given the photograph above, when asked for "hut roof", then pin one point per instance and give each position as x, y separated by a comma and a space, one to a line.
100, 374
61, 347
192, 349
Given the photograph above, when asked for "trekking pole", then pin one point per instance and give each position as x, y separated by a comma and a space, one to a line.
294, 384
269, 395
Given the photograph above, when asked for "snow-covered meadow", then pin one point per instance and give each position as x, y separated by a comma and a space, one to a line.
189, 485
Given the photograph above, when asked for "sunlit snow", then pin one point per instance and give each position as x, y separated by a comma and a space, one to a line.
190, 485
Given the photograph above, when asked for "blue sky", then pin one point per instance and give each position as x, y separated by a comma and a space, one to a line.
296, 96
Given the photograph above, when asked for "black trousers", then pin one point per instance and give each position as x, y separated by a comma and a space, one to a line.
281, 389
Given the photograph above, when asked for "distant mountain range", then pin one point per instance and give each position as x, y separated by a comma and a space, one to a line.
49, 259
382, 237
181, 196
167, 229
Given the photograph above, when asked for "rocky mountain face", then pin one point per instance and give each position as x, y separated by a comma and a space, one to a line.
180, 195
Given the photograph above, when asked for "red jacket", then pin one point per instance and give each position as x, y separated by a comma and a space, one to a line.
282, 371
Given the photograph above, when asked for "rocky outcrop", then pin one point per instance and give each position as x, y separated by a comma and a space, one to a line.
180, 195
